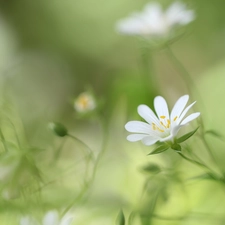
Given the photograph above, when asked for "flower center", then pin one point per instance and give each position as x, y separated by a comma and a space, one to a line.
165, 124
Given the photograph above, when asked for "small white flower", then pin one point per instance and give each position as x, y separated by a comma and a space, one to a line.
84, 103
154, 22
50, 218
163, 127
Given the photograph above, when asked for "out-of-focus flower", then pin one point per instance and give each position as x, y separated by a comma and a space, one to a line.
85, 103
154, 22
50, 218
163, 127
26, 220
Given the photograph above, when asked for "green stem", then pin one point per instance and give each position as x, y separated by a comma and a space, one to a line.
184, 73
80, 141
96, 163
148, 74
189, 83
210, 152
3, 141
194, 161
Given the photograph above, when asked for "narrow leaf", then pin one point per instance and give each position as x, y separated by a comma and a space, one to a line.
207, 176
120, 220
186, 136
151, 168
161, 148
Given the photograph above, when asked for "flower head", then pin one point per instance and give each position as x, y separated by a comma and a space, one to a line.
85, 103
154, 22
162, 127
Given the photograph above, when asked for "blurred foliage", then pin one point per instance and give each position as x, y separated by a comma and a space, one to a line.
50, 52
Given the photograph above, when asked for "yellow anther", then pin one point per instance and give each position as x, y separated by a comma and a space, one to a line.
168, 124
154, 127
160, 129
175, 118
162, 117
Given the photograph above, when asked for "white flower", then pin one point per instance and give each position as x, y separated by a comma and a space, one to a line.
154, 22
50, 218
163, 127
84, 103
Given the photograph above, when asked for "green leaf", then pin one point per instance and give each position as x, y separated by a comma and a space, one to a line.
186, 136
161, 148
131, 218
176, 147
151, 168
207, 176
120, 220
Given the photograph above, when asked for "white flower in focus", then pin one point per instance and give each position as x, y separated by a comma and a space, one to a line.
50, 218
84, 103
154, 22
163, 127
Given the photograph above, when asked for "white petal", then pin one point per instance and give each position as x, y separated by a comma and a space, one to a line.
175, 130
130, 26
147, 114
170, 137
136, 137
25, 221
173, 12
66, 220
138, 127
149, 140
179, 107
161, 107
190, 118
153, 17
177, 14
184, 113
51, 218
187, 17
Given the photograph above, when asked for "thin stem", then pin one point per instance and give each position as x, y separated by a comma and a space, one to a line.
210, 152
77, 139
3, 141
184, 73
193, 161
148, 73
189, 82
96, 163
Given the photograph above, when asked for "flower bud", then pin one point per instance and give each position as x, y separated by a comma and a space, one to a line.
59, 129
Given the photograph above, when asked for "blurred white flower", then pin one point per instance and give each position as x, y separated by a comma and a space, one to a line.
163, 127
154, 22
50, 218
84, 103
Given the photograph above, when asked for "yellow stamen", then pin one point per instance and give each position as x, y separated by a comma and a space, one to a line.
160, 129
162, 124
168, 124
175, 118
162, 117
154, 127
